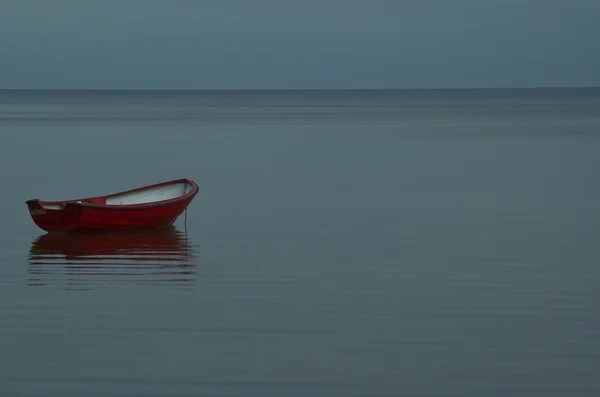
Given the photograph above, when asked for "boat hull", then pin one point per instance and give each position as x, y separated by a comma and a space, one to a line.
84, 215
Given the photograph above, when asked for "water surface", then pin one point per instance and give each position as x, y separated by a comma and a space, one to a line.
343, 243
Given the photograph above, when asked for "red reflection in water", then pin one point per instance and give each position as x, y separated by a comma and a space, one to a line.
85, 260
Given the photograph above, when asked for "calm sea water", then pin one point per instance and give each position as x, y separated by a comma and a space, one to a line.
343, 243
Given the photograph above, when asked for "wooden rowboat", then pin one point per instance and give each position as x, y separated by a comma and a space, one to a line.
141, 208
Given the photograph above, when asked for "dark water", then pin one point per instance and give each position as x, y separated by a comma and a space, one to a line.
384, 243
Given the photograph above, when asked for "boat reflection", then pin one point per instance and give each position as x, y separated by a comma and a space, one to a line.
84, 261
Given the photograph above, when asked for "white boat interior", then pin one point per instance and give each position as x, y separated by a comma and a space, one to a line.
53, 206
144, 196
150, 195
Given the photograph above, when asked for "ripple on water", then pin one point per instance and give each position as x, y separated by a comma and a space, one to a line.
88, 260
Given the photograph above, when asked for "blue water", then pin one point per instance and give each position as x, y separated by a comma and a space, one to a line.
343, 243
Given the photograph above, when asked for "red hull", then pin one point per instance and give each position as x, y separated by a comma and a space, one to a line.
93, 214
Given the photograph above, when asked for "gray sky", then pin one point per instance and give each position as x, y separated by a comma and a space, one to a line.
239, 44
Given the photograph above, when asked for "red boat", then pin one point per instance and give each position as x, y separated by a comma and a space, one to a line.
145, 207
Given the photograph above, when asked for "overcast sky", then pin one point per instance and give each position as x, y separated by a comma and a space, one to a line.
239, 44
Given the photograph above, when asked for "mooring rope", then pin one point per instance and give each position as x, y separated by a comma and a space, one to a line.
185, 220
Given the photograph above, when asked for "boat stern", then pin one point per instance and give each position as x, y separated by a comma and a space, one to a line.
36, 209
51, 216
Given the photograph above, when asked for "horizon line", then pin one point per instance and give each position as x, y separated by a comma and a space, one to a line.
307, 89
